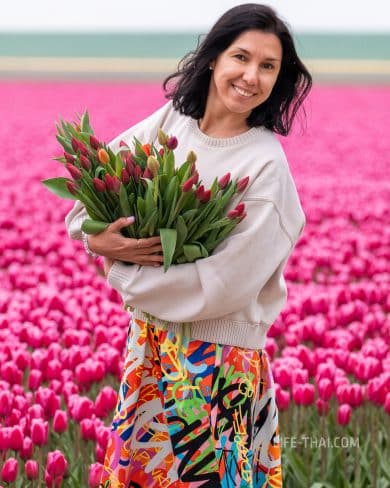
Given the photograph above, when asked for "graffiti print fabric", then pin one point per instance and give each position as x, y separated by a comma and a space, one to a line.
204, 416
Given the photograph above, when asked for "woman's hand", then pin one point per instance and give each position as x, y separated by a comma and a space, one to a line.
111, 244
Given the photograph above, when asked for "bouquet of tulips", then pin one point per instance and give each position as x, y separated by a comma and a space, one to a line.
143, 181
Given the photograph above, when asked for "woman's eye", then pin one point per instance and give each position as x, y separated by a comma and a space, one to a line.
268, 66
241, 57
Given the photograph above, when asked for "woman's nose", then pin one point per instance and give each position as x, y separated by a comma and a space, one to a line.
250, 74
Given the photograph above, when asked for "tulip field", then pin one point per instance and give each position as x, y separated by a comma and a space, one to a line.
63, 330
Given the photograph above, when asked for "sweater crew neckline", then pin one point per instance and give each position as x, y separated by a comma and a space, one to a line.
243, 138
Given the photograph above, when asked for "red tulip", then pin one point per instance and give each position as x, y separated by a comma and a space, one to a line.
195, 176
137, 173
99, 185
32, 469
233, 214
60, 421
94, 142
206, 196
240, 208
94, 475
112, 183
125, 178
74, 172
242, 184
199, 192
322, 406
147, 174
39, 432
10, 470
224, 181
187, 185
172, 143
69, 158
344, 414
85, 162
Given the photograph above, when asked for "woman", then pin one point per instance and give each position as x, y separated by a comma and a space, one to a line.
203, 412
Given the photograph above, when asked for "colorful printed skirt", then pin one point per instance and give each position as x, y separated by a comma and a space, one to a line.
202, 416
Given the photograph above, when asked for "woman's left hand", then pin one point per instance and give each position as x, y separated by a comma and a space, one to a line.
107, 265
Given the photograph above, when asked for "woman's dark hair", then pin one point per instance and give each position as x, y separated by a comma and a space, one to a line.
191, 81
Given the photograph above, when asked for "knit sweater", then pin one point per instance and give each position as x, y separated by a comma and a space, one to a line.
233, 296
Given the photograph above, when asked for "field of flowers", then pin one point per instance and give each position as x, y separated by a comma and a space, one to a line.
63, 330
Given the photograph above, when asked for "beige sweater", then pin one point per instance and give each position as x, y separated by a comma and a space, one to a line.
233, 296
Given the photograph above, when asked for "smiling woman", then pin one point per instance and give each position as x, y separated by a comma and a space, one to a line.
200, 410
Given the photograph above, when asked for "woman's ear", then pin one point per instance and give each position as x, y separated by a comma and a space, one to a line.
212, 65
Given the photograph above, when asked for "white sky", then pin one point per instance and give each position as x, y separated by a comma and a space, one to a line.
185, 15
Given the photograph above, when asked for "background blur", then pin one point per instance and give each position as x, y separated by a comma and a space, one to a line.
339, 40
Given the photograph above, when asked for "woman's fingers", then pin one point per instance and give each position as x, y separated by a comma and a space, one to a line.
146, 242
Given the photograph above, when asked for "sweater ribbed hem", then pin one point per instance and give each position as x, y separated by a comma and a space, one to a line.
217, 331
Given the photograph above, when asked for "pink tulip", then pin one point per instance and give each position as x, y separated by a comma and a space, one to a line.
39, 432
56, 464
5, 403
4, 438
322, 406
27, 449
10, 470
224, 181
325, 389
282, 398
94, 475
303, 394
60, 421
87, 429
343, 414
99, 453
32, 469
34, 379
16, 438
105, 401
49, 401
242, 184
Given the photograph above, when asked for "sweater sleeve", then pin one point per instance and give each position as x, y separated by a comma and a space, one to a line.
215, 286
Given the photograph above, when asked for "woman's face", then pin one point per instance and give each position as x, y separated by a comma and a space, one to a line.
244, 74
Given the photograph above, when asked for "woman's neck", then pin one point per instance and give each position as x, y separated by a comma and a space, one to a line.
222, 127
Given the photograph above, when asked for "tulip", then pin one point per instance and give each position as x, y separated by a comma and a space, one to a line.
10, 470
129, 165
172, 143
103, 435
325, 389
153, 165
187, 185
99, 185
344, 414
137, 173
4, 438
162, 137
5, 403
75, 144
87, 429
195, 176
72, 187
206, 196
94, 142
303, 394
99, 453
224, 181
27, 449
112, 183
233, 214
242, 184
122, 143
322, 406
49, 401
191, 157
282, 398
387, 403
146, 149
39, 432
103, 156
56, 464
94, 475
16, 438
125, 178
32, 469
199, 192
161, 152
85, 162
147, 174
60, 421
74, 172
105, 401
240, 208
69, 158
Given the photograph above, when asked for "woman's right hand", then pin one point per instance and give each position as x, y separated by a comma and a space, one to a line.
112, 244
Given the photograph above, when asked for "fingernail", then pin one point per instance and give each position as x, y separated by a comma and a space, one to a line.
130, 219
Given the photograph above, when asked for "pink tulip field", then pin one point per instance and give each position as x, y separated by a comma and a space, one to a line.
63, 330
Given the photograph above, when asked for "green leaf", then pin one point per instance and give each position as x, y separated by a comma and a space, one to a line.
182, 232
93, 226
124, 201
168, 242
183, 172
65, 144
84, 123
59, 188
193, 252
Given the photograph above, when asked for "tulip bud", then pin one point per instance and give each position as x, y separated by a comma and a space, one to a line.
123, 144
137, 173
72, 187
240, 208
187, 185
199, 193
162, 137
85, 162
344, 414
147, 174
206, 196
195, 176
75, 144
191, 157
129, 164
147, 149
233, 214
103, 156
153, 165
242, 184
172, 143
94, 475
31, 468
56, 464
125, 178
224, 181
74, 172
94, 142
161, 152
99, 185
39, 432
112, 183
10, 470
69, 158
